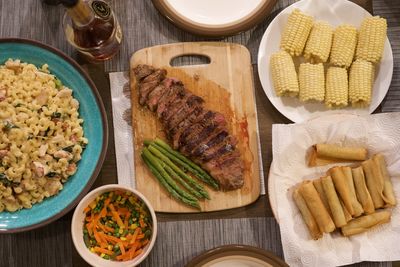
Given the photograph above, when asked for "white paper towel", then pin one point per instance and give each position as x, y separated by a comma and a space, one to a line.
378, 133
121, 105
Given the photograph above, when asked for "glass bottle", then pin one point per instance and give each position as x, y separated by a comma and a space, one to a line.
91, 27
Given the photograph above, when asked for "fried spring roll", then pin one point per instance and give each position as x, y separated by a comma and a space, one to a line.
309, 220
374, 180
333, 201
318, 186
316, 207
339, 180
388, 194
347, 214
362, 191
358, 209
338, 152
364, 223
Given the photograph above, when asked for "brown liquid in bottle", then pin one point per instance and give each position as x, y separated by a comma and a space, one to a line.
96, 35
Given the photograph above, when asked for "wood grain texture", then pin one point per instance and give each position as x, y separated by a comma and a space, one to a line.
226, 85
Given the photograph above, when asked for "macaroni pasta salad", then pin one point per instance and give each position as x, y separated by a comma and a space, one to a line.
41, 135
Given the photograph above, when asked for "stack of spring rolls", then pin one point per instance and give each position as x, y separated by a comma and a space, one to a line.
351, 199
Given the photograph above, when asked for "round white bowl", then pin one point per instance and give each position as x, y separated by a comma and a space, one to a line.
77, 229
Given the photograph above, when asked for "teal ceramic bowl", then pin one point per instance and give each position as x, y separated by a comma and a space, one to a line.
95, 129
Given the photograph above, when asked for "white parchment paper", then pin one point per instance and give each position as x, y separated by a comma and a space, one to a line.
378, 133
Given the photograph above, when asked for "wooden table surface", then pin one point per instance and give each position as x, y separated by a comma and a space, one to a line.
52, 245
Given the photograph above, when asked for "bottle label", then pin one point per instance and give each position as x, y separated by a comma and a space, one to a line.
101, 9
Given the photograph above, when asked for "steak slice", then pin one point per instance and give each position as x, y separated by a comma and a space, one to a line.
175, 90
187, 122
192, 105
228, 172
194, 128
208, 126
173, 106
154, 96
149, 83
215, 138
142, 71
224, 146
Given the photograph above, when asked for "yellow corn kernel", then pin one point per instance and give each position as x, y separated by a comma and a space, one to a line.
343, 45
371, 39
312, 82
361, 79
337, 88
284, 74
295, 33
319, 42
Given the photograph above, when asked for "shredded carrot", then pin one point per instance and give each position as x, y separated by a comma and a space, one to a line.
105, 228
141, 222
135, 234
137, 252
123, 210
96, 235
140, 236
118, 219
145, 242
87, 209
121, 247
111, 206
103, 250
126, 220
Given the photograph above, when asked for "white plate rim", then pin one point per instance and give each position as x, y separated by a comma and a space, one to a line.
263, 73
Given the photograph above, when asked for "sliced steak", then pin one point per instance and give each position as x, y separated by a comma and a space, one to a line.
215, 138
154, 96
229, 173
195, 127
198, 133
207, 126
149, 83
173, 106
142, 71
175, 90
226, 145
192, 106
187, 122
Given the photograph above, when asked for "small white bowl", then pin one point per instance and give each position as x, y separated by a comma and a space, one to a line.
77, 229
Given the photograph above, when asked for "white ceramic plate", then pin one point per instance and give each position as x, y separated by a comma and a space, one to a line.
335, 12
215, 13
215, 18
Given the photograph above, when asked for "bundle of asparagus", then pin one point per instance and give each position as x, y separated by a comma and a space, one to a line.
174, 171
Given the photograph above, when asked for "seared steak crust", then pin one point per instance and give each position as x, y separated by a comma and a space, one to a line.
196, 132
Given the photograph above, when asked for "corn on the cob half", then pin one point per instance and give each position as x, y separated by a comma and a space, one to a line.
371, 39
312, 82
361, 80
337, 88
295, 33
343, 45
284, 74
319, 42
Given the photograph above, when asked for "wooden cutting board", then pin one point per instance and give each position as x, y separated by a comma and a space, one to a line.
226, 85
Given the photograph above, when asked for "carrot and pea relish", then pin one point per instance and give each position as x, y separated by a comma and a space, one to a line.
117, 226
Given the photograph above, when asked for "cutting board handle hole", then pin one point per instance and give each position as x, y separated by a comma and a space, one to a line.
189, 60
